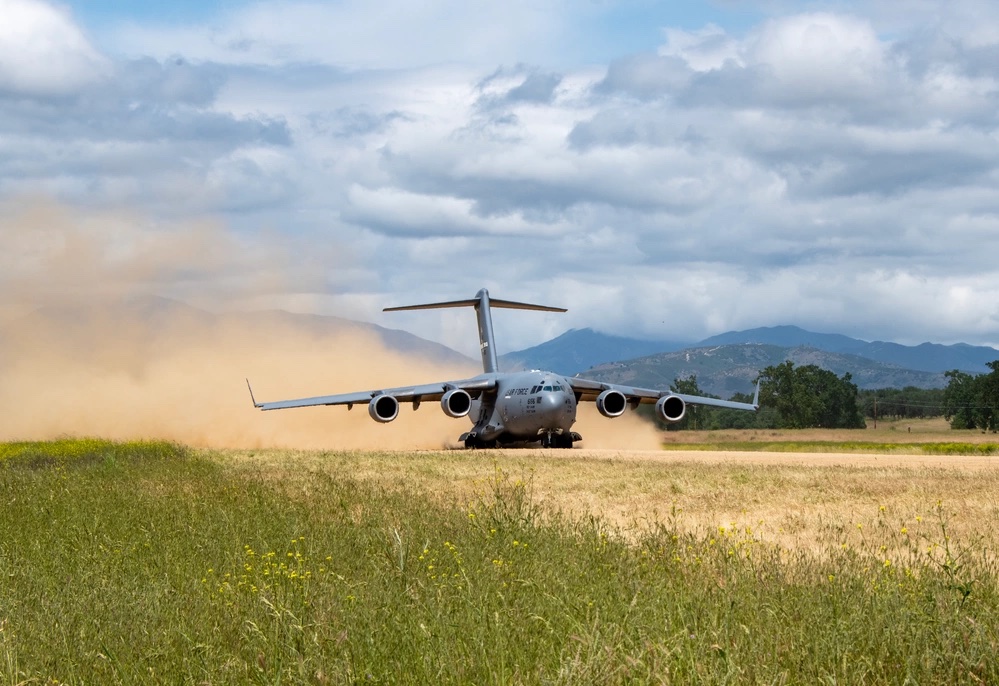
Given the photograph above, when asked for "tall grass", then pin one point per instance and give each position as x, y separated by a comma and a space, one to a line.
193, 570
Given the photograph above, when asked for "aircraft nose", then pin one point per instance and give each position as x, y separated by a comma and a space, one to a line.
550, 402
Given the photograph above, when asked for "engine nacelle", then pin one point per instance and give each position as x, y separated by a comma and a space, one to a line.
612, 403
383, 408
456, 403
670, 408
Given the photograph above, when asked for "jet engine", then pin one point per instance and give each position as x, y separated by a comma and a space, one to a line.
670, 408
612, 403
383, 408
456, 402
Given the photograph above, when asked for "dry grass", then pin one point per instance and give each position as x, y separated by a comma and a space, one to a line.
895, 431
795, 500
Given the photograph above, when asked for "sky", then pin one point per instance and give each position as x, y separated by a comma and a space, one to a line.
665, 170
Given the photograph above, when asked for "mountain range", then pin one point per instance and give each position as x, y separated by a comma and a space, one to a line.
729, 362
926, 357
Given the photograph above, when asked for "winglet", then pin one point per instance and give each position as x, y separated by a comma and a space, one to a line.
254, 400
756, 396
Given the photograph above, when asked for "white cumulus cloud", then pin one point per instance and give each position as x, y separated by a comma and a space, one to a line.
43, 51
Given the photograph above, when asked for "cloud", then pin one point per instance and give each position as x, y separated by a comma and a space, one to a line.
360, 35
43, 52
833, 168
822, 56
504, 88
149, 134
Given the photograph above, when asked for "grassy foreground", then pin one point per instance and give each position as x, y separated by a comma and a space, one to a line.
146, 562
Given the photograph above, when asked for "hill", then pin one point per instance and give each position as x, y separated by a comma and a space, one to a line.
579, 349
726, 363
726, 369
926, 357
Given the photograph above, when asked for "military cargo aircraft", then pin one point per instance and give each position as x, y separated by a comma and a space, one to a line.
511, 407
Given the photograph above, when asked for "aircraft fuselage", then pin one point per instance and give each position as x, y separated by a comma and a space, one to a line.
524, 407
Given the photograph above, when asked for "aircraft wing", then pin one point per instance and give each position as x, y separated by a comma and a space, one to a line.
587, 389
416, 394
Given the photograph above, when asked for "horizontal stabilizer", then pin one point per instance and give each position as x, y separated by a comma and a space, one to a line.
482, 304
509, 304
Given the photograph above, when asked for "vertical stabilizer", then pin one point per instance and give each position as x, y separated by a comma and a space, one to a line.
483, 312
487, 345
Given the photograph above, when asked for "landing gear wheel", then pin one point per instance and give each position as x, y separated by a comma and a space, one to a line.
556, 440
473, 443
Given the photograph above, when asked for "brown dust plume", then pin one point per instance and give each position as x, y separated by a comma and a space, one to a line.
96, 339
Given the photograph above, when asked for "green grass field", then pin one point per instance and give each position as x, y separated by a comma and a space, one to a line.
151, 563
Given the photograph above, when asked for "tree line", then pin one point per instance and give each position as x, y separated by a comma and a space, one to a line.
808, 396
902, 403
791, 397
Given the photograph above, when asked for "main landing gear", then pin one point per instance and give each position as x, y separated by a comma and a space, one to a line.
550, 439
559, 440
473, 443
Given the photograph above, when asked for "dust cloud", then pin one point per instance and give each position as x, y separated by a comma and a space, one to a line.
98, 337
89, 347
627, 432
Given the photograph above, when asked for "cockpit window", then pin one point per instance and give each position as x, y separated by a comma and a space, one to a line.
547, 388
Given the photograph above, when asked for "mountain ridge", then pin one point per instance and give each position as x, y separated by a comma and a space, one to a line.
927, 357
723, 370
579, 349
871, 365
590, 348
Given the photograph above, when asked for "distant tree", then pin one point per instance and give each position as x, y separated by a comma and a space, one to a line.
809, 396
781, 390
972, 402
905, 403
988, 397
790, 397
686, 386
959, 400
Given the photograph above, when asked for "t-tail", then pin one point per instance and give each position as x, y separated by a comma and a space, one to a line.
482, 304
